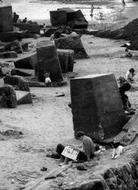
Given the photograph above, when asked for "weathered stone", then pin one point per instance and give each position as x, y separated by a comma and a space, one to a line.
31, 27
6, 23
8, 97
14, 46
68, 17
18, 81
129, 132
13, 35
66, 59
27, 62
6, 67
50, 30
23, 97
20, 73
48, 62
8, 54
73, 43
95, 100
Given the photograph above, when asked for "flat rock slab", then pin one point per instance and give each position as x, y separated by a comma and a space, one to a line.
23, 97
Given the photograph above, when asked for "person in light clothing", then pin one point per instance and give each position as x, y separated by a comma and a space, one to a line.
130, 75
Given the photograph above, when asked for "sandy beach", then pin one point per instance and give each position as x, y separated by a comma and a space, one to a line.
48, 121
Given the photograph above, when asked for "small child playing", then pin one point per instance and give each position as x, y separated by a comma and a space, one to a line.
47, 79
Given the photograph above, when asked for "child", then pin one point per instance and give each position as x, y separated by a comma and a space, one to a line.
47, 79
117, 150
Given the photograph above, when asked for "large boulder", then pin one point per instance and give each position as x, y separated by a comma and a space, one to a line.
18, 81
6, 23
48, 62
73, 43
7, 97
97, 106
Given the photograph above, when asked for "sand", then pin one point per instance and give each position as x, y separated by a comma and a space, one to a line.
48, 121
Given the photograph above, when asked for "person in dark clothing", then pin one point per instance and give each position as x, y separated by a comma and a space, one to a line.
124, 86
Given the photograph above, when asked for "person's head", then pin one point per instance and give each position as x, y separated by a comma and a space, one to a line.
132, 71
59, 149
80, 135
121, 80
46, 74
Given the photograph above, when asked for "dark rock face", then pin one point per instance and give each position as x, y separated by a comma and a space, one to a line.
66, 59
48, 62
73, 43
18, 81
8, 54
6, 23
7, 97
27, 62
68, 17
96, 99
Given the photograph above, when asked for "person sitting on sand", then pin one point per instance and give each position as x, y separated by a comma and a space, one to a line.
128, 53
130, 75
87, 143
47, 79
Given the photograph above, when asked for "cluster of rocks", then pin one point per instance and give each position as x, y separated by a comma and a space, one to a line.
23, 63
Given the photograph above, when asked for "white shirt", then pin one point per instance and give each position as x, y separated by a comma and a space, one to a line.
129, 76
47, 80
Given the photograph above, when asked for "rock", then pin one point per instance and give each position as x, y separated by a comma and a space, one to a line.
66, 59
18, 81
23, 97
50, 30
6, 23
8, 97
68, 17
14, 46
48, 62
6, 67
27, 62
13, 35
31, 27
8, 54
73, 43
24, 46
20, 73
95, 102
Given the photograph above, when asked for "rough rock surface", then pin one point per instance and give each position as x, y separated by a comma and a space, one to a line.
7, 97
73, 43
18, 81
